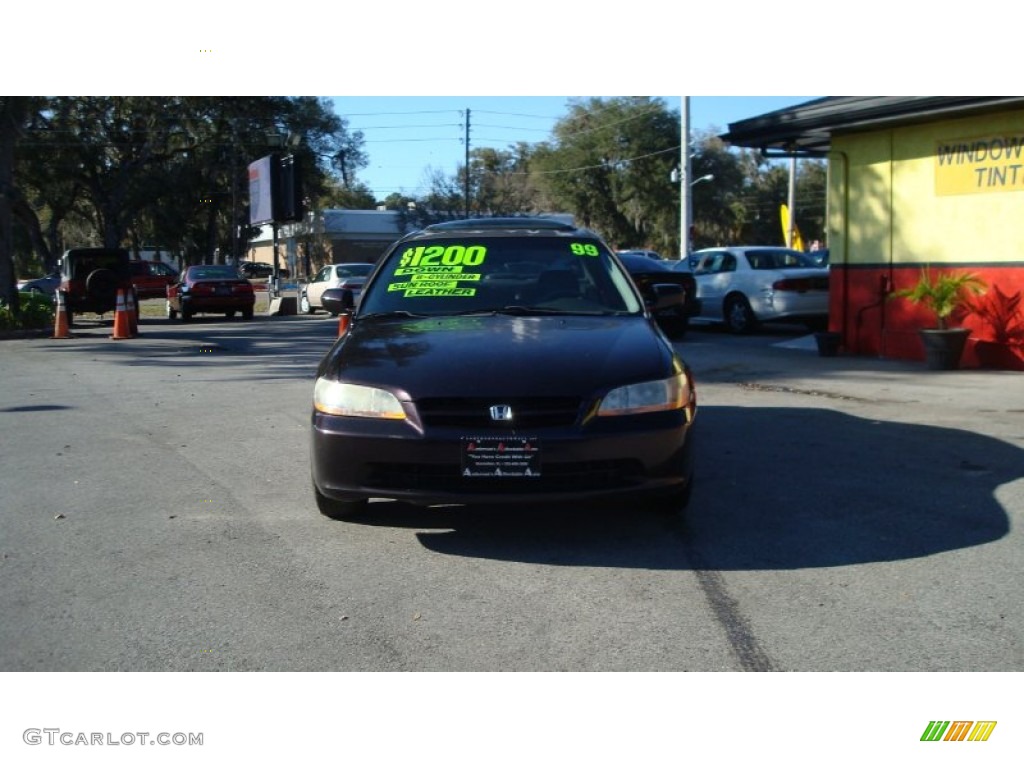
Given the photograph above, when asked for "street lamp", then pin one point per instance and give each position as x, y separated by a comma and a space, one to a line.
686, 204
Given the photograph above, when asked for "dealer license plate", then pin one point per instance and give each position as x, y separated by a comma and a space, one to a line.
500, 457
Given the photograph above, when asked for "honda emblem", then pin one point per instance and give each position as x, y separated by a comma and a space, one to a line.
501, 413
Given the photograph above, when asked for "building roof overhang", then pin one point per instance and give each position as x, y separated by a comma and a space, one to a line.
806, 130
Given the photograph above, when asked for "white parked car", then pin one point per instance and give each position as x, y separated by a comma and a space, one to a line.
349, 275
746, 285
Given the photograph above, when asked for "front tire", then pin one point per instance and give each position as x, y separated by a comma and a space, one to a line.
305, 307
339, 510
739, 317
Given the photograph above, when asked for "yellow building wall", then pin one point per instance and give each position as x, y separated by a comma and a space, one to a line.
949, 192
947, 195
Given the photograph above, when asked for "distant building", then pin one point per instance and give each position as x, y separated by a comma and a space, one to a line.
334, 236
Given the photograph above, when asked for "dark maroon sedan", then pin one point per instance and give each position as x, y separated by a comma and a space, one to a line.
210, 289
502, 360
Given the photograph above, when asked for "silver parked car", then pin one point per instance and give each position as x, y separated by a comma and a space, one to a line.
47, 285
349, 275
747, 285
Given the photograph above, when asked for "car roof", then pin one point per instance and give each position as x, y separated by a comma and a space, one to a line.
525, 226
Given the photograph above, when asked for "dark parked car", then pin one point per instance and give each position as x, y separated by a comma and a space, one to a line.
42, 285
151, 278
647, 272
257, 269
92, 277
251, 269
210, 289
501, 360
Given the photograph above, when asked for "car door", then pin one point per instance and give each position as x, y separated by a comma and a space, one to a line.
318, 285
714, 276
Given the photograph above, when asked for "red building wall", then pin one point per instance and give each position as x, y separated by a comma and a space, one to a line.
874, 325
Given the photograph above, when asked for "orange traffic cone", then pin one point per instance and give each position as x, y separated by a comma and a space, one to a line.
122, 325
133, 313
60, 319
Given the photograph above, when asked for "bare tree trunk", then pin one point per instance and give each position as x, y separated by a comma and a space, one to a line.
13, 110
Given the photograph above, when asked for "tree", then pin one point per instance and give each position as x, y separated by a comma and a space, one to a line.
14, 114
165, 170
610, 164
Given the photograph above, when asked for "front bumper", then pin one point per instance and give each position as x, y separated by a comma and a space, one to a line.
361, 458
198, 304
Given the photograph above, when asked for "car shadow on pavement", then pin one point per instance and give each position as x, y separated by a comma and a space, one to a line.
777, 488
280, 348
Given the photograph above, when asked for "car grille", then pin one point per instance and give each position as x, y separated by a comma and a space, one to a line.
568, 476
474, 413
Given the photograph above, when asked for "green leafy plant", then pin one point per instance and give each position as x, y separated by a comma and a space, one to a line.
943, 295
35, 312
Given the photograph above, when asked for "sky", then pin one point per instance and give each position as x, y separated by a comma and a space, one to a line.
406, 137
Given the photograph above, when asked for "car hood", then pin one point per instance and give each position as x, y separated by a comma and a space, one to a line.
500, 355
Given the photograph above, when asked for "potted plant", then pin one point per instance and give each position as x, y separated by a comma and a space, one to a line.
944, 296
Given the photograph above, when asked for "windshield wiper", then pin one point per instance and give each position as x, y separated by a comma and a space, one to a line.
518, 309
391, 313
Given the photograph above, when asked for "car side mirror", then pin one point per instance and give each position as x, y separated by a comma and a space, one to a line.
338, 300
666, 295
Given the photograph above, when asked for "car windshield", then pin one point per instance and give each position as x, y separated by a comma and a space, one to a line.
455, 275
212, 273
780, 259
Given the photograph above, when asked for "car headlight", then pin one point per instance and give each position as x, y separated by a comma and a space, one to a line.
646, 397
340, 399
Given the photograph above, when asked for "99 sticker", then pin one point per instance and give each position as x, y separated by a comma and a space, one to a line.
443, 256
584, 249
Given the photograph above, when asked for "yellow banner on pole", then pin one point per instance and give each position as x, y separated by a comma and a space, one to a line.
798, 241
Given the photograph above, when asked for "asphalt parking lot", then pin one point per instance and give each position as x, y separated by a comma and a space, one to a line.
850, 514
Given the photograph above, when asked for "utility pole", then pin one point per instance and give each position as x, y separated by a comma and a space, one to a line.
791, 230
467, 164
686, 214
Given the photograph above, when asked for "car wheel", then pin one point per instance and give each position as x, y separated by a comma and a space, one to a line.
230, 314
247, 314
304, 306
674, 501
172, 313
339, 510
739, 317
